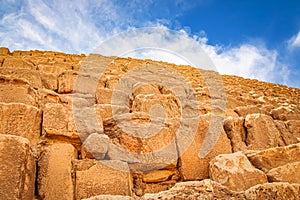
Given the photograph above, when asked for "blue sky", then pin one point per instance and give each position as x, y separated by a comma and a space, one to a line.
249, 38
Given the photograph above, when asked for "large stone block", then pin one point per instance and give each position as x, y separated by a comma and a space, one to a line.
288, 136
193, 166
286, 173
235, 171
158, 176
262, 132
236, 132
274, 191
285, 113
1, 60
103, 95
274, 157
49, 81
17, 62
191, 190
154, 181
4, 51
102, 177
55, 172
149, 147
17, 168
294, 128
95, 146
32, 77
21, 120
243, 111
66, 81
18, 91
59, 119
54, 67
56, 119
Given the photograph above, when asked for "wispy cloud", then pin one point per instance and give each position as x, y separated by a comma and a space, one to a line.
294, 41
250, 61
58, 25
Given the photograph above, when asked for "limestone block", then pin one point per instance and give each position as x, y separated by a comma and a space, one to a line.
194, 167
95, 146
235, 171
101, 177
59, 119
262, 132
286, 173
55, 172
17, 168
235, 131
274, 157
190, 190
18, 91
274, 191
21, 120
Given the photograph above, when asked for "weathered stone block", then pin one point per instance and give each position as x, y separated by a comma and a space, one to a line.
18, 91
59, 119
274, 157
158, 176
236, 132
17, 168
243, 111
235, 171
286, 173
49, 81
101, 177
138, 143
103, 95
274, 191
4, 51
32, 77
95, 146
288, 137
21, 120
55, 172
66, 81
284, 114
54, 68
191, 190
194, 167
17, 62
262, 132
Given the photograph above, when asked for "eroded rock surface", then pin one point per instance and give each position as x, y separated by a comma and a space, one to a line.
101, 177
235, 171
274, 157
55, 172
286, 173
17, 168
206, 189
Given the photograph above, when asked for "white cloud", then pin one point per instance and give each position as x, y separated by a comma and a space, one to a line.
249, 61
246, 61
58, 25
294, 41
